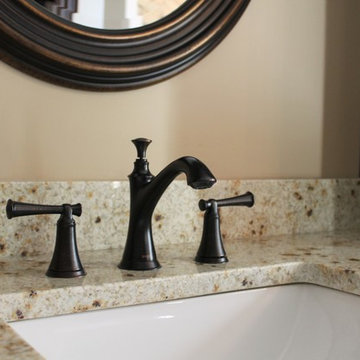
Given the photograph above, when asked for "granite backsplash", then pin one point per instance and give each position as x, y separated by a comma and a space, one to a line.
281, 207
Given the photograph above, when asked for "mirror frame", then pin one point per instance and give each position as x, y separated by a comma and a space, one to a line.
43, 45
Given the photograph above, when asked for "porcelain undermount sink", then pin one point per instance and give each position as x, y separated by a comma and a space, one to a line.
285, 322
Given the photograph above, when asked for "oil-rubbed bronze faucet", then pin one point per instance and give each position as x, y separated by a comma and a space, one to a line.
65, 262
145, 192
211, 250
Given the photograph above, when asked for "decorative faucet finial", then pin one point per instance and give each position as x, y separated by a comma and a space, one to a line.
141, 146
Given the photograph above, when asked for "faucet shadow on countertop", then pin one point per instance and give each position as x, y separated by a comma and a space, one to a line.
145, 192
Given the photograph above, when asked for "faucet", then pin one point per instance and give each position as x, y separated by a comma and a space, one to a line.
145, 192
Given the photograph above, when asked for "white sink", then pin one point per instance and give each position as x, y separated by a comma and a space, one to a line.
286, 322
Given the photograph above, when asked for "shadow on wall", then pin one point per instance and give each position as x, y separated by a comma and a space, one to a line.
285, 103
341, 129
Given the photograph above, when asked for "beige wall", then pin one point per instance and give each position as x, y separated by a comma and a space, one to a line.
261, 105
153, 10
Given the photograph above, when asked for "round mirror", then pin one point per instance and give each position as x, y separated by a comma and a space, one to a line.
111, 14
112, 44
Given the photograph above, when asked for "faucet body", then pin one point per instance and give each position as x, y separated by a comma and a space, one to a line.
145, 192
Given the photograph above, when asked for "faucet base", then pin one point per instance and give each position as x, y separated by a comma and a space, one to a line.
139, 265
65, 274
211, 260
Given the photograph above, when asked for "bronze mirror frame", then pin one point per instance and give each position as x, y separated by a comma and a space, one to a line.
43, 45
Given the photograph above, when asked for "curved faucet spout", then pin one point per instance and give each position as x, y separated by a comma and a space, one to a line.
197, 174
145, 192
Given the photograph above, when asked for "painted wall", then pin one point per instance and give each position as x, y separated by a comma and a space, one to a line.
278, 98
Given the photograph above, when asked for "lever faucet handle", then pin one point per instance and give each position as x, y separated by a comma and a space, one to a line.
211, 249
15, 209
141, 145
65, 262
246, 199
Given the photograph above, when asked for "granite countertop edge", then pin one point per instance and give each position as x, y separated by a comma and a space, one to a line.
325, 259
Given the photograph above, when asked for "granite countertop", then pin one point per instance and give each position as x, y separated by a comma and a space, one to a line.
329, 259
299, 231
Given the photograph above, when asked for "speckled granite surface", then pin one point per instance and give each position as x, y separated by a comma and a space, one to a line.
319, 221
327, 259
281, 207
331, 259
13, 347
